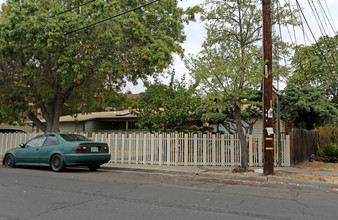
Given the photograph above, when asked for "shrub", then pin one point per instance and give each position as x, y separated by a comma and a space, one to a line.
208, 128
330, 152
328, 134
194, 128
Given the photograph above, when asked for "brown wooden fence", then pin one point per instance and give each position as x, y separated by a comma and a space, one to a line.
304, 143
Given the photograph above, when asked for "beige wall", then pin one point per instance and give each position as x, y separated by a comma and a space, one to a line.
258, 127
92, 126
67, 127
79, 127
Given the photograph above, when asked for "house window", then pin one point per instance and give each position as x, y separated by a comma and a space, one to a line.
132, 125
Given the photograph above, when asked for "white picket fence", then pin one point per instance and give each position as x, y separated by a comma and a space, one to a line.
172, 149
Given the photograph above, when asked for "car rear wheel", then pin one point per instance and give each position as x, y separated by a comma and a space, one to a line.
57, 163
9, 161
94, 167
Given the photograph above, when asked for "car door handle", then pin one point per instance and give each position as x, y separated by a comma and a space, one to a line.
37, 149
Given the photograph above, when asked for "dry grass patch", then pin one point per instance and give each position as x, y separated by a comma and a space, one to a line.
311, 177
318, 166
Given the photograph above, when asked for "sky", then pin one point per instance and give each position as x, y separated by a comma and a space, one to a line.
195, 34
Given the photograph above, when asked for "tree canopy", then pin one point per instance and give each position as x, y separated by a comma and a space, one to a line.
166, 107
317, 66
45, 65
307, 107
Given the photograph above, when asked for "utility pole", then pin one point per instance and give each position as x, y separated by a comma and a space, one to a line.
268, 133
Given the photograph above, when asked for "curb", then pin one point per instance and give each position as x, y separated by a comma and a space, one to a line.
321, 185
234, 176
267, 179
187, 173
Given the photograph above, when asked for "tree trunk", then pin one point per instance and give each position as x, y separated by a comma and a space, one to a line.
51, 114
37, 122
242, 138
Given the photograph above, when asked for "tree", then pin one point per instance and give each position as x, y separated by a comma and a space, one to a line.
46, 64
230, 63
307, 107
115, 100
316, 65
166, 106
213, 111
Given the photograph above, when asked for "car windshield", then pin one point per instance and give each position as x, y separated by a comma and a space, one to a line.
74, 137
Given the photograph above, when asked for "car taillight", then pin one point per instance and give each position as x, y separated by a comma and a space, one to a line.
80, 148
106, 149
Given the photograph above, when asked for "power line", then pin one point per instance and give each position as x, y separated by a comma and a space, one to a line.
281, 38
316, 43
305, 36
294, 31
318, 20
79, 6
321, 26
71, 9
335, 30
327, 18
115, 16
287, 27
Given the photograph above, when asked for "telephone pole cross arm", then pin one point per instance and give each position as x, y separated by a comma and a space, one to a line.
268, 136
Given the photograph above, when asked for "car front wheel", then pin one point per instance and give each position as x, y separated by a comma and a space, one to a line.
94, 167
57, 163
9, 161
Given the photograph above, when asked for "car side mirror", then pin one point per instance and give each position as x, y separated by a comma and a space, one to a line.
22, 145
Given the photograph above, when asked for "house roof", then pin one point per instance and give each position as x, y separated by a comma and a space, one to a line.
96, 115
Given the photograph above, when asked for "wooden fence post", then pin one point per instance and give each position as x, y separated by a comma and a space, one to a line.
137, 146
250, 151
287, 154
144, 148
232, 150
115, 153
186, 150
195, 149
160, 149
260, 151
168, 149
213, 156
222, 151
204, 150
110, 145
176, 148
2, 143
152, 150
122, 151
130, 136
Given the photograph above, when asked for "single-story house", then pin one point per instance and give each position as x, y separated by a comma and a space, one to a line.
97, 121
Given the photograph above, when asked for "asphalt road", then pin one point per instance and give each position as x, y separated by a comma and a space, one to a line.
31, 193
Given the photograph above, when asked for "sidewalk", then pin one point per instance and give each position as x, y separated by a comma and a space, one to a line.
226, 173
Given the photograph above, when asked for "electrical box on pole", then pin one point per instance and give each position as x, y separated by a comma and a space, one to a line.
268, 131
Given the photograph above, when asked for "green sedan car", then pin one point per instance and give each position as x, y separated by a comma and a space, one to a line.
58, 150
